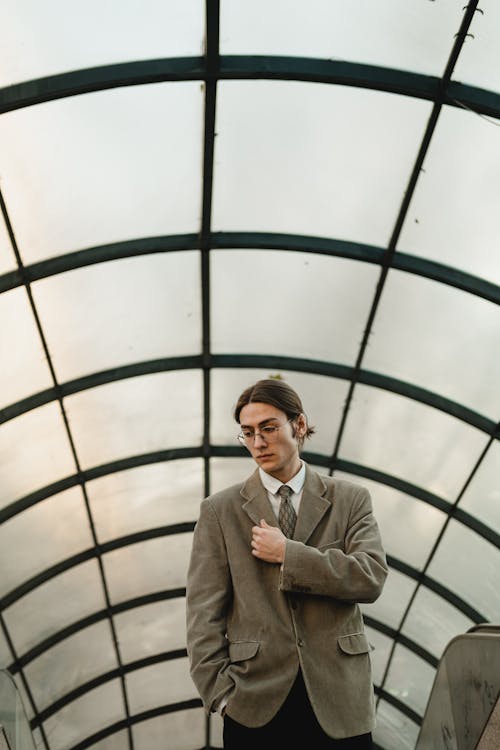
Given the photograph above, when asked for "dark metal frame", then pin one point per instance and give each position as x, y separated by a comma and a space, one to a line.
212, 68
248, 67
255, 241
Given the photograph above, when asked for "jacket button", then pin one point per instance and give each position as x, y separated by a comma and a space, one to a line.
300, 643
293, 604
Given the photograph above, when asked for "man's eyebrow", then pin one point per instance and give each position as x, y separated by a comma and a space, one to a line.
261, 424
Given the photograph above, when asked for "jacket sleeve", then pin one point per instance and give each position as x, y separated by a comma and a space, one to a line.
351, 569
209, 591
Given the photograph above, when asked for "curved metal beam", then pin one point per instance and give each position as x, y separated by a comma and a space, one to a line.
99, 254
85, 622
438, 588
187, 527
76, 461
74, 480
163, 657
100, 78
185, 705
255, 67
174, 454
367, 377
88, 554
101, 679
395, 635
252, 241
294, 364
399, 705
152, 713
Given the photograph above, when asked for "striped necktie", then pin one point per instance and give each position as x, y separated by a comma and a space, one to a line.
287, 516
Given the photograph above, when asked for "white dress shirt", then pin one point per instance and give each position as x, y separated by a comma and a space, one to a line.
272, 486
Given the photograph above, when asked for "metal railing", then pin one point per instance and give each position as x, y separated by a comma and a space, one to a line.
15, 732
465, 692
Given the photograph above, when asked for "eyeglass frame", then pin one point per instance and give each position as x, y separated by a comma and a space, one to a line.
246, 441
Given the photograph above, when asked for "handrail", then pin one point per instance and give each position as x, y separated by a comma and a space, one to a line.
4, 742
15, 732
465, 691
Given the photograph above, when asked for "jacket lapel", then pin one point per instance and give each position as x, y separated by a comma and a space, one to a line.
313, 506
257, 503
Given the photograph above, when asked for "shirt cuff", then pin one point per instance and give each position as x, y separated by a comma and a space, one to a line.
220, 708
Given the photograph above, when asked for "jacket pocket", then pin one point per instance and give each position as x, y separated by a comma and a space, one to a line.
241, 650
356, 643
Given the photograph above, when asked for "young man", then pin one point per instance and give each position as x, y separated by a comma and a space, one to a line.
279, 563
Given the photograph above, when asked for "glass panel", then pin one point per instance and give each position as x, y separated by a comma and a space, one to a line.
117, 741
394, 730
227, 471
136, 415
478, 61
160, 685
410, 539
469, 566
146, 497
402, 437
410, 679
413, 343
381, 645
54, 37
15, 732
84, 716
326, 173
38, 739
42, 536
88, 329
145, 631
298, 303
419, 36
28, 706
185, 728
71, 663
24, 366
323, 400
390, 606
45, 455
5, 654
433, 622
155, 565
39, 614
458, 226
482, 496
7, 258
120, 164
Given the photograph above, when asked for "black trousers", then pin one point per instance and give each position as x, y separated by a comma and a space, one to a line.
295, 724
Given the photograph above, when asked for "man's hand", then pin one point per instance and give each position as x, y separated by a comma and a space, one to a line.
268, 543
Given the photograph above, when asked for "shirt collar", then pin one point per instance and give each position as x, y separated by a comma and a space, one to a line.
272, 484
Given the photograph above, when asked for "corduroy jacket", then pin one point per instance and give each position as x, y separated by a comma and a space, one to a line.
251, 624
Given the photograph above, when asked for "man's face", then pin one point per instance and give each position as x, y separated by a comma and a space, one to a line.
277, 455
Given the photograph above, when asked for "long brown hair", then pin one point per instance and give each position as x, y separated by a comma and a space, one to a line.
276, 393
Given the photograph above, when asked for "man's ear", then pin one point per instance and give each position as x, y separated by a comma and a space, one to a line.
299, 426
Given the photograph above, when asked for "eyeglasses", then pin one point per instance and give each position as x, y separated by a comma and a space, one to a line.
268, 433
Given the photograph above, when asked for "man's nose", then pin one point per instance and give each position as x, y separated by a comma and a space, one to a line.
258, 436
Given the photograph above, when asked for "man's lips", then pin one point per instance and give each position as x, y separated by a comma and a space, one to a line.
264, 456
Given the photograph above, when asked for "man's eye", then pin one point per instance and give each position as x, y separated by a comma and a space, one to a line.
268, 430
247, 433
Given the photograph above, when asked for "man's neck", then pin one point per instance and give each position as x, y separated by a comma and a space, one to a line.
285, 477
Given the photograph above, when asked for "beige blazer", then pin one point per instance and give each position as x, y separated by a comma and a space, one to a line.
252, 624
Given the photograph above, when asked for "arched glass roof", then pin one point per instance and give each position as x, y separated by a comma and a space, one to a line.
195, 196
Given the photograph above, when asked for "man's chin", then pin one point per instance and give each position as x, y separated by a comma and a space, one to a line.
264, 460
